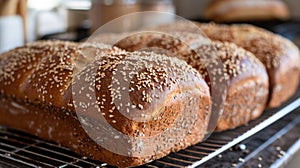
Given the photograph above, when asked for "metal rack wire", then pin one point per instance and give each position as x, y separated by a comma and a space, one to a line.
18, 149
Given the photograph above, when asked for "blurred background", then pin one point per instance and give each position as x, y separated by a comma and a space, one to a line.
73, 18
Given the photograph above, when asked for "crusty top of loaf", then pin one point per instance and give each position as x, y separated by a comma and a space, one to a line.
199, 52
237, 63
137, 85
174, 41
220, 7
58, 74
42, 71
269, 48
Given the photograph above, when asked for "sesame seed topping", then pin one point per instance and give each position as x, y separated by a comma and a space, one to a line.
46, 67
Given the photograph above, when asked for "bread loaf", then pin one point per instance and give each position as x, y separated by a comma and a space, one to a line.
73, 95
245, 76
279, 55
245, 10
247, 84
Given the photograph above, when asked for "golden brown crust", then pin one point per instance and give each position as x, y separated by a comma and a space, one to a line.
280, 56
169, 100
44, 69
247, 85
244, 75
151, 85
245, 10
55, 125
